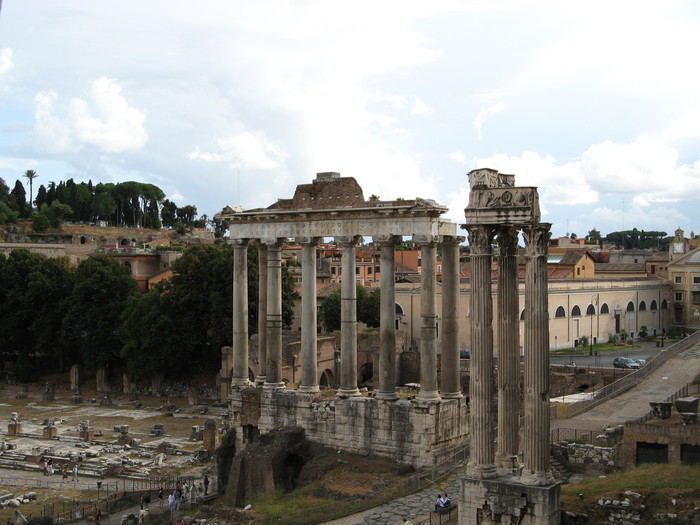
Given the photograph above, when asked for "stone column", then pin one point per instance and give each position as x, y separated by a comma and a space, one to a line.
508, 351
536, 470
273, 371
481, 462
450, 318
387, 321
348, 320
240, 313
262, 313
309, 361
428, 306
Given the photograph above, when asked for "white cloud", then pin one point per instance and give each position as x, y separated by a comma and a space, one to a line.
5, 60
105, 121
484, 113
244, 150
458, 157
421, 109
176, 197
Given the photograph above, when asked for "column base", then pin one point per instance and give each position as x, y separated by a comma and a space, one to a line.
429, 397
481, 471
347, 392
260, 380
274, 386
308, 389
452, 395
387, 396
239, 382
537, 479
508, 465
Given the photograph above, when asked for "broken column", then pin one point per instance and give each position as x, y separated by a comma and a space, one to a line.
15, 427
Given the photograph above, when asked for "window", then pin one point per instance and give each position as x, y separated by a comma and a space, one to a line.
696, 297
696, 280
560, 312
630, 306
575, 311
678, 279
578, 271
679, 296
654, 306
664, 304
590, 310
357, 270
605, 309
652, 269
333, 268
522, 315
642, 306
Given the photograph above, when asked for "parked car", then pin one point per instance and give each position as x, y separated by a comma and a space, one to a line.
625, 362
641, 362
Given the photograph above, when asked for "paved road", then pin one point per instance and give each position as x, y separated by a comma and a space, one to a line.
634, 403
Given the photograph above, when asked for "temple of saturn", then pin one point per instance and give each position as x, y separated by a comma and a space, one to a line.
505, 483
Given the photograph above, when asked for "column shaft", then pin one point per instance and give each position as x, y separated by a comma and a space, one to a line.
262, 313
240, 313
387, 323
536, 470
428, 306
348, 321
508, 351
450, 318
273, 377
481, 461
309, 361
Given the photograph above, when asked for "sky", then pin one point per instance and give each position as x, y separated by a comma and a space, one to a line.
218, 103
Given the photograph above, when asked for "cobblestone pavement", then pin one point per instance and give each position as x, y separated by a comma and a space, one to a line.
415, 507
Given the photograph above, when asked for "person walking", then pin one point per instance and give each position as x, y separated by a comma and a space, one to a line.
206, 484
75, 472
160, 496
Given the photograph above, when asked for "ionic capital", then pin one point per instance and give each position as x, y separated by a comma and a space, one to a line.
239, 243
349, 241
425, 240
386, 240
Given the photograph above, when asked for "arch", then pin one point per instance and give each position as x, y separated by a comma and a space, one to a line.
522, 315
605, 309
560, 312
128, 266
630, 306
326, 380
251, 375
576, 311
83, 239
654, 306
664, 304
642, 306
124, 242
590, 310
366, 373
398, 309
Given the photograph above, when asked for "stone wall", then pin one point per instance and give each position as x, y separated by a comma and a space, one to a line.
604, 458
419, 434
673, 435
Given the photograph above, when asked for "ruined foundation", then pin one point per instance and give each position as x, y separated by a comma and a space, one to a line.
506, 501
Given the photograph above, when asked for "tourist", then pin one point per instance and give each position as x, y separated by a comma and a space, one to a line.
206, 484
171, 502
446, 500
160, 496
439, 503
406, 521
75, 472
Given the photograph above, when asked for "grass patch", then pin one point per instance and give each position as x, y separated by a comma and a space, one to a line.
644, 478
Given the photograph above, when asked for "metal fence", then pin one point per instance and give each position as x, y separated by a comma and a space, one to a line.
635, 377
691, 389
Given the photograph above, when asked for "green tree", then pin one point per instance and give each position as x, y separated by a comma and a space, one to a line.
104, 206
7, 216
367, 308
100, 295
593, 237
30, 175
19, 199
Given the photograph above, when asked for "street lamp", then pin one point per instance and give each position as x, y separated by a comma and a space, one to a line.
99, 486
594, 303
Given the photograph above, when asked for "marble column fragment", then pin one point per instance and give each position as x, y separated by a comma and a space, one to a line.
508, 351
450, 318
273, 376
348, 320
536, 459
240, 313
387, 321
262, 313
481, 462
309, 360
428, 312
